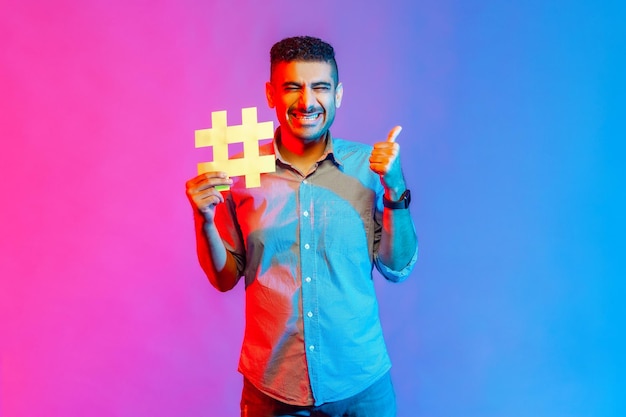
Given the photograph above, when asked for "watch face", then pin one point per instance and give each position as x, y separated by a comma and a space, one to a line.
407, 197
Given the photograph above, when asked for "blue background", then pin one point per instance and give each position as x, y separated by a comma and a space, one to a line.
513, 146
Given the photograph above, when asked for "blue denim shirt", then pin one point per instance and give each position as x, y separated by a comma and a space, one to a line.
306, 246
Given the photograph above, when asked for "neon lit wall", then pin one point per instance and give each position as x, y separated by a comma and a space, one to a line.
513, 145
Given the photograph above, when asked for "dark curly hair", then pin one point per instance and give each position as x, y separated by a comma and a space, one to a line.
303, 48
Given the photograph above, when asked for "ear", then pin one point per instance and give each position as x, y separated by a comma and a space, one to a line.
338, 95
269, 94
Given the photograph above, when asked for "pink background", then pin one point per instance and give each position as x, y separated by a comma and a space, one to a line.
512, 144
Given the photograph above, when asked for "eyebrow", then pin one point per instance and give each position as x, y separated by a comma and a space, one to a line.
314, 84
321, 84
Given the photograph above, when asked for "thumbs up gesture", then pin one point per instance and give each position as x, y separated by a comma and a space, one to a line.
385, 161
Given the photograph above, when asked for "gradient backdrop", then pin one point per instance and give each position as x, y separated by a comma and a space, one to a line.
513, 145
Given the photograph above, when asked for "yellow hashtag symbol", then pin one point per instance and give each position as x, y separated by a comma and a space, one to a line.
249, 133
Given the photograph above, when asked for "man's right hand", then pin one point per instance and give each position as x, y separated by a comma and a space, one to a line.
202, 193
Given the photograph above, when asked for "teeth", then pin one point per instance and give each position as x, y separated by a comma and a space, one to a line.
312, 117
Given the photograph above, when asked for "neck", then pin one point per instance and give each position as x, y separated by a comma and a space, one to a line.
299, 154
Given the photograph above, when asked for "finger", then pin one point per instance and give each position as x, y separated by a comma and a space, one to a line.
380, 158
379, 168
393, 134
214, 183
206, 176
385, 146
386, 156
203, 182
207, 200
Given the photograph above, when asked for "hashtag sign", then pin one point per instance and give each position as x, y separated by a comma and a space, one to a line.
249, 133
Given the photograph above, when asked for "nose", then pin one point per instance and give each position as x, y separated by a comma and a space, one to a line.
307, 98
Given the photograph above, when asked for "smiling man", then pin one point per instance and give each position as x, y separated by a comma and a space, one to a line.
306, 242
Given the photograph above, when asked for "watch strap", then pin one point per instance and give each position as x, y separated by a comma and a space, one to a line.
402, 203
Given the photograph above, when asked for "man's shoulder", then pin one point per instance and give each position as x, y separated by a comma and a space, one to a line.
347, 148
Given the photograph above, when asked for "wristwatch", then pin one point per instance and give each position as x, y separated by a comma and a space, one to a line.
402, 203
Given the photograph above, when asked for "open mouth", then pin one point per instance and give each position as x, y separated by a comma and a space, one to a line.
306, 117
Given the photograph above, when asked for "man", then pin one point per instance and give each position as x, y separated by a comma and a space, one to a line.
306, 242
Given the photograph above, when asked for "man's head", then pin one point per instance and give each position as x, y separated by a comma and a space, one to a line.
304, 88
305, 49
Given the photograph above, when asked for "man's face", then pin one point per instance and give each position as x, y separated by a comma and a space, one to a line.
306, 97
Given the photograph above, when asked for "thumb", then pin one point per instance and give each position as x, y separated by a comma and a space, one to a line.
393, 134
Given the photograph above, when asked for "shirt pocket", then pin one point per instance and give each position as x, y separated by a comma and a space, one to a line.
346, 226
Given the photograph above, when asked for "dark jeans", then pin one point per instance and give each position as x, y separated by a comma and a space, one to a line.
379, 400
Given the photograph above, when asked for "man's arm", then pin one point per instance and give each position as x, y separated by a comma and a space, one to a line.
218, 264
398, 242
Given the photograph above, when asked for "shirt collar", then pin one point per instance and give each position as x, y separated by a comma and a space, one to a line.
329, 151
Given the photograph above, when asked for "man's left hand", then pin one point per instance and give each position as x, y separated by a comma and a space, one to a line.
385, 161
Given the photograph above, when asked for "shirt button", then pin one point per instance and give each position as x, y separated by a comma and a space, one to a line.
311, 348
306, 214
310, 314
308, 279
307, 246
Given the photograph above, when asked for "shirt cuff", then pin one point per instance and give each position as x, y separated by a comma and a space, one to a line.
396, 276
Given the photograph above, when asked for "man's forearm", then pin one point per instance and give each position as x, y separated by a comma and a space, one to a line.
216, 262
398, 241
